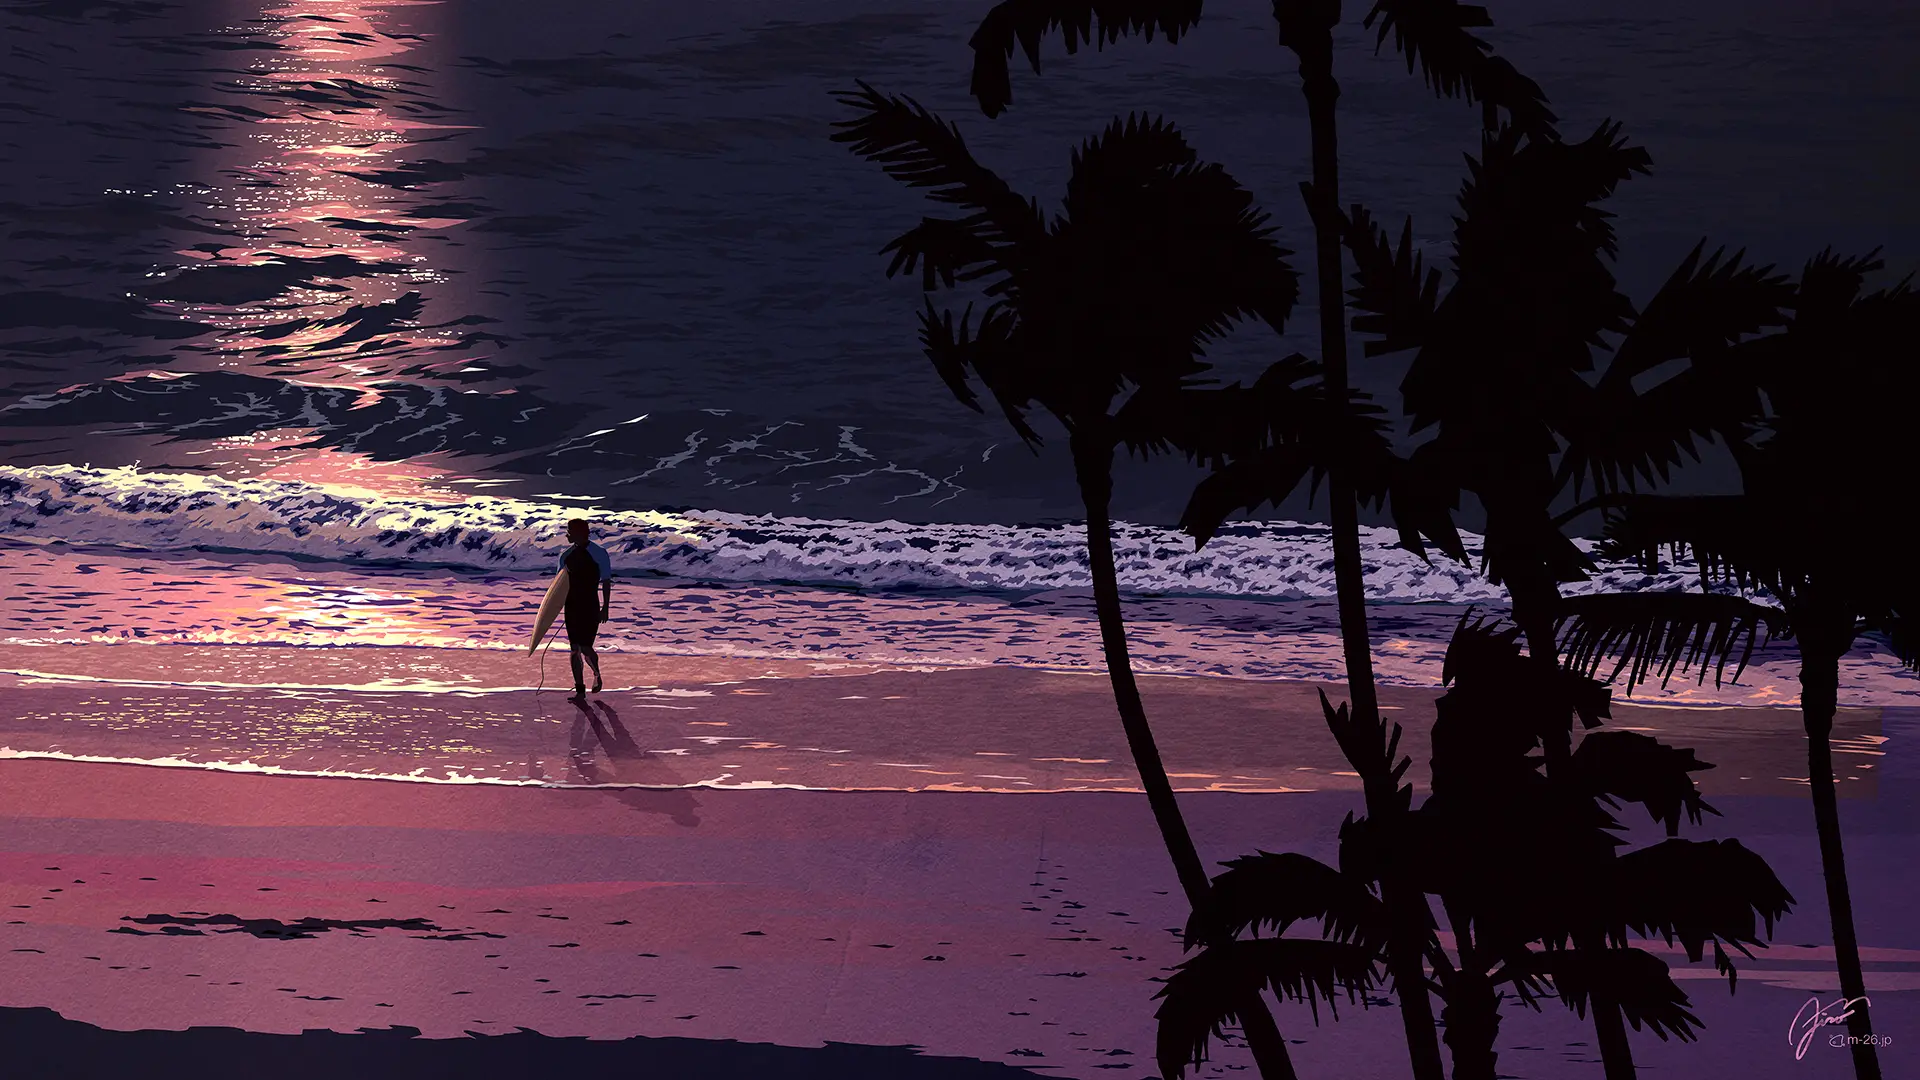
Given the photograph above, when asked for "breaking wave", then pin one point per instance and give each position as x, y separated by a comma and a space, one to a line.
183, 512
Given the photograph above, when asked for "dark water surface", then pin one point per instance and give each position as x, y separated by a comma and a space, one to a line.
314, 237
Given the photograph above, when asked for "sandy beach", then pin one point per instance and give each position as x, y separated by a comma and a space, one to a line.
1023, 928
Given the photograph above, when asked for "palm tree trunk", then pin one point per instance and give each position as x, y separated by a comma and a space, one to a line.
1093, 466
1533, 603
1472, 1007
1819, 700
1311, 39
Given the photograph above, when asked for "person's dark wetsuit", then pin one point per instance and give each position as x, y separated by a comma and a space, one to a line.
582, 612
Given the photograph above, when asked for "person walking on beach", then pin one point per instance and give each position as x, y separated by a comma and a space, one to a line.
587, 565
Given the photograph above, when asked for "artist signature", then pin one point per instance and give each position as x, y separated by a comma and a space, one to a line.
1813, 1016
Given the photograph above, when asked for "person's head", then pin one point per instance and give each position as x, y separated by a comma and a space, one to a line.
577, 530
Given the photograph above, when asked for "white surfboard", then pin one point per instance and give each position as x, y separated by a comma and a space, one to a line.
549, 609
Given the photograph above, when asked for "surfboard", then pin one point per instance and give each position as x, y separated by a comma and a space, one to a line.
549, 609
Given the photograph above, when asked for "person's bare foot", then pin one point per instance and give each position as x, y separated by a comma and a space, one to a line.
596, 683
579, 694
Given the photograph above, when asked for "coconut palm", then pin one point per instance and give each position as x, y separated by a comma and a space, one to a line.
1154, 254
1826, 447
1500, 379
1499, 375
1520, 863
1436, 36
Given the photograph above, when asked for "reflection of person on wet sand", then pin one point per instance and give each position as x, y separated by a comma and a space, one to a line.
587, 565
610, 735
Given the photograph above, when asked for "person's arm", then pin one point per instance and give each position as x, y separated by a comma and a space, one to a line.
606, 584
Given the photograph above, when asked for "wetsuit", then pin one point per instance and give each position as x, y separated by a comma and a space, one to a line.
583, 601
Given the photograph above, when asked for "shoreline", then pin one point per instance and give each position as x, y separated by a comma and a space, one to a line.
454, 719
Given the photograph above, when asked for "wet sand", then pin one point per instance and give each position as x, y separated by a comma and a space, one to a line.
736, 722
1016, 928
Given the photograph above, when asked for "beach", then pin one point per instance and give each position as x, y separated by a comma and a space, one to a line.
281, 784
623, 884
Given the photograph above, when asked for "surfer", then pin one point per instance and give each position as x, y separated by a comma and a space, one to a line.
586, 564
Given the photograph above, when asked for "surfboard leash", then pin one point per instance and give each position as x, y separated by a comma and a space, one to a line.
543, 664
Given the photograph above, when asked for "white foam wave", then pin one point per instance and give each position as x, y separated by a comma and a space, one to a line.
151, 511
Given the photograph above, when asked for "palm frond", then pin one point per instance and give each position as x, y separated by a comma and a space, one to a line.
1702, 311
1639, 768
1273, 891
1373, 749
955, 348
1638, 981
1213, 425
1394, 292
1436, 36
1024, 23
920, 150
944, 250
1484, 659
1896, 615
1265, 476
1262, 442
1664, 632
1205, 993
1171, 251
1423, 491
1699, 893
1829, 286
1731, 538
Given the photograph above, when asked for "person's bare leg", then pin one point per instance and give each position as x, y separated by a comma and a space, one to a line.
593, 661
579, 684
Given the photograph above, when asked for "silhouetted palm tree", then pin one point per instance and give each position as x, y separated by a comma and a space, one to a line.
1500, 375
1818, 462
1436, 36
1520, 858
1155, 254
1521, 864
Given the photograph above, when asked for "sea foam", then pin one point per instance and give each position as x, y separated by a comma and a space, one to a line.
138, 510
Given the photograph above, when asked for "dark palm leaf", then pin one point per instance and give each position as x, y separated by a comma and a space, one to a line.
1731, 538
955, 348
1264, 476
1703, 308
1638, 980
1205, 993
1639, 768
1275, 891
1371, 748
1484, 658
920, 150
1502, 357
1024, 23
1212, 425
1663, 632
1162, 251
946, 251
1702, 311
1435, 34
1394, 291
1829, 286
1698, 892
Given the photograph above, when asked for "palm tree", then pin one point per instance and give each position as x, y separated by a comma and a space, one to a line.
1817, 460
1499, 375
1520, 858
1518, 861
1432, 34
1500, 379
1154, 255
